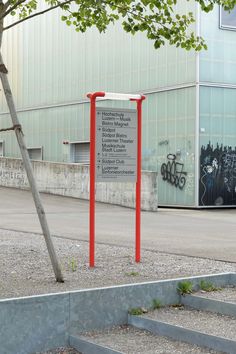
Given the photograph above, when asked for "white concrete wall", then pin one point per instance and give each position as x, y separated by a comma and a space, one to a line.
72, 180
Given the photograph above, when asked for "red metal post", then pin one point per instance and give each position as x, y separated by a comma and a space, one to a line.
138, 183
92, 175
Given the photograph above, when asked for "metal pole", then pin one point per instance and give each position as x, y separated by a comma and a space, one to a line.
138, 183
92, 175
92, 183
29, 171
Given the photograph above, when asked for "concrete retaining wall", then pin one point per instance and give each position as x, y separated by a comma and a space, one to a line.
39, 323
72, 180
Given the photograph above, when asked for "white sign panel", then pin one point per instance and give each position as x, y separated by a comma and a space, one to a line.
116, 145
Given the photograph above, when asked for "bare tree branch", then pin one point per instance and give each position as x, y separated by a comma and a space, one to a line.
38, 14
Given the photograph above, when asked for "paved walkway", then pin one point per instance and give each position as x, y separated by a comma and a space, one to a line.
204, 233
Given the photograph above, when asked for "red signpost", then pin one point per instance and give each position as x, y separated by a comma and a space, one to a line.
114, 96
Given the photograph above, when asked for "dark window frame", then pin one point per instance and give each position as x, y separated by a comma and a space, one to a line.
226, 27
33, 148
73, 158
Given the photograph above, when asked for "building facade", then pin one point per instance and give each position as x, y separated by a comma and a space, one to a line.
189, 116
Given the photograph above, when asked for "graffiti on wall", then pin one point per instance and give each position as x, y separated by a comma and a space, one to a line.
163, 142
173, 172
217, 185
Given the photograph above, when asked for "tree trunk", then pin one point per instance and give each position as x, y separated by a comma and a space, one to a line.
29, 169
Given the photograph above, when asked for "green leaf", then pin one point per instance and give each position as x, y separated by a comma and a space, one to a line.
158, 19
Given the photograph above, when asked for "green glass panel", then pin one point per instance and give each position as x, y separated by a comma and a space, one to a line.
169, 120
218, 63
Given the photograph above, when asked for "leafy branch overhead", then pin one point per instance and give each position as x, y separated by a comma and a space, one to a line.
157, 18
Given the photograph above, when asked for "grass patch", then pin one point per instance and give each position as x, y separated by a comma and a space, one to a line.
185, 287
208, 286
73, 265
156, 304
136, 311
132, 274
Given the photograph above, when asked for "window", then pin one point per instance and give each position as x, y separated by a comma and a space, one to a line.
228, 19
79, 152
35, 153
2, 150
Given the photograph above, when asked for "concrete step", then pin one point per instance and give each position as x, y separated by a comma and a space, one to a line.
130, 340
210, 304
226, 294
202, 328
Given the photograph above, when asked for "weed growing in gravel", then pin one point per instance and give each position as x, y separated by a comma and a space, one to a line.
73, 265
185, 287
132, 274
208, 286
136, 311
156, 304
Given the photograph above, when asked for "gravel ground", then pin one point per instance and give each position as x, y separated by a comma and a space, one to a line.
134, 341
26, 269
227, 294
203, 321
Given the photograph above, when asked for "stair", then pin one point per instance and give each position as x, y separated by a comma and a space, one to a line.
198, 325
206, 329
131, 340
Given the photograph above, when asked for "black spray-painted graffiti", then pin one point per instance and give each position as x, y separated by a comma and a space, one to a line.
217, 185
163, 142
173, 172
